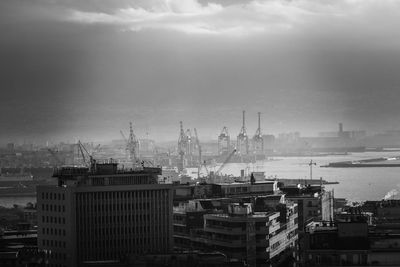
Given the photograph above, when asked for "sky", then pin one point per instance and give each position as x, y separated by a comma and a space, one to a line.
83, 69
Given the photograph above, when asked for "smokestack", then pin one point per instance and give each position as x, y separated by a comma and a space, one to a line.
340, 127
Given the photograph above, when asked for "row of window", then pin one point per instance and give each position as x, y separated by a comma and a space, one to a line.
55, 208
53, 196
52, 231
123, 196
123, 230
54, 243
57, 255
51, 219
123, 206
122, 219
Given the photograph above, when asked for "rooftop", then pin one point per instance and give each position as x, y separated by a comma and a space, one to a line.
109, 168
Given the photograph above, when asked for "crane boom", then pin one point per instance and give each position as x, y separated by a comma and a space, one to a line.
226, 161
123, 135
54, 155
81, 151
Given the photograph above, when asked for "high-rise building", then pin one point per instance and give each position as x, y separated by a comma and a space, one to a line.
104, 214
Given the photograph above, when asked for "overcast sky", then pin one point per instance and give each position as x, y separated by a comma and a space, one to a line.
84, 69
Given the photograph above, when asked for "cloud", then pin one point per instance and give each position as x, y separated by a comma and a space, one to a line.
189, 16
271, 16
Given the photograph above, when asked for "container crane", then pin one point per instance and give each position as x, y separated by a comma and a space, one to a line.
243, 139
258, 141
182, 146
224, 141
132, 145
198, 145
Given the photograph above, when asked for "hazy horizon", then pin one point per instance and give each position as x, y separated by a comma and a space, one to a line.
84, 69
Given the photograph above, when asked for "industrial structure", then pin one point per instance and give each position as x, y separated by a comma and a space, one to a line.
132, 146
243, 139
189, 147
198, 147
183, 144
224, 142
258, 141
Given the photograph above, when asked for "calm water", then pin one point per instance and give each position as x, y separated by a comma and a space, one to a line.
355, 184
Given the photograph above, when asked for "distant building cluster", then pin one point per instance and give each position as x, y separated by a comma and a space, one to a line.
127, 210
104, 215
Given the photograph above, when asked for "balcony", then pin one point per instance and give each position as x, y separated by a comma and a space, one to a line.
227, 242
224, 229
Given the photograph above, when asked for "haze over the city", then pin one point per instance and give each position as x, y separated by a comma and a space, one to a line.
84, 69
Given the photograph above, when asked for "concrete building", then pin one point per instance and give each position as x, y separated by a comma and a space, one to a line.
234, 189
241, 233
314, 202
336, 244
260, 231
104, 214
352, 240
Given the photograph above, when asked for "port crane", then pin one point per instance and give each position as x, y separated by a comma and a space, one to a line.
132, 145
224, 141
198, 145
82, 150
258, 141
243, 139
182, 147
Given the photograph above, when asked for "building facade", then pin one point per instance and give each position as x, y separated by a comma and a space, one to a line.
103, 214
261, 234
